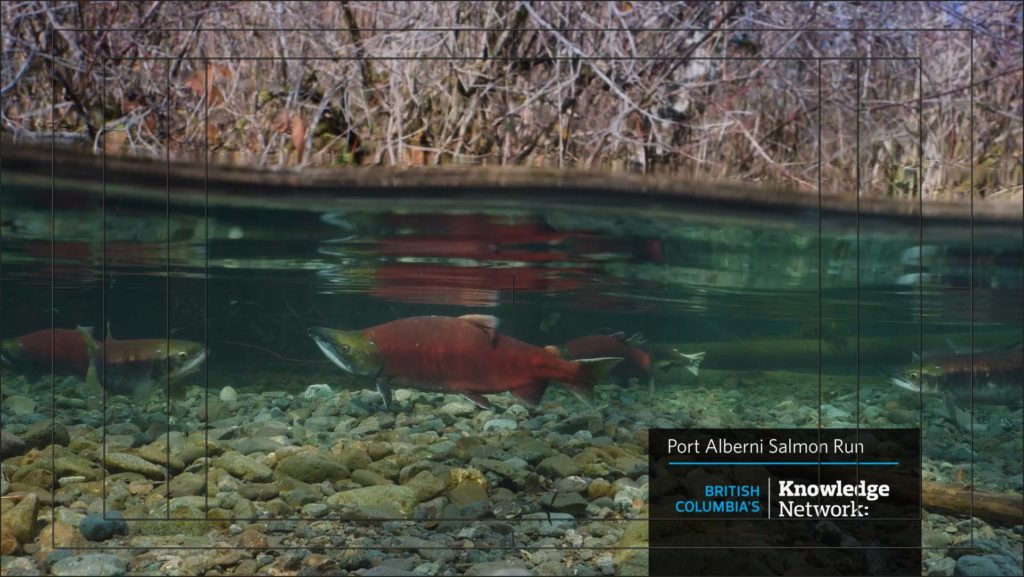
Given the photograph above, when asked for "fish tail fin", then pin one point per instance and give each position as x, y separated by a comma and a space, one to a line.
591, 372
531, 393
693, 361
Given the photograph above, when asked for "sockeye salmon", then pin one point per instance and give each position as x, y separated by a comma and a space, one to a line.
464, 355
636, 361
140, 367
998, 376
34, 354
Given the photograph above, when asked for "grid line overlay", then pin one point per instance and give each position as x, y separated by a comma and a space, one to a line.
206, 59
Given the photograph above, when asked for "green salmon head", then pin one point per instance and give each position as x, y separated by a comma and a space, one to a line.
350, 350
915, 378
10, 354
185, 357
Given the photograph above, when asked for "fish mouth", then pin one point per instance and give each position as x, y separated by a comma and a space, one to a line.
5, 361
905, 384
321, 337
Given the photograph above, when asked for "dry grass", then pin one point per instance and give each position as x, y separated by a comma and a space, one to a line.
543, 83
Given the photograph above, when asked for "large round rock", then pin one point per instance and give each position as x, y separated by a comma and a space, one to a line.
95, 528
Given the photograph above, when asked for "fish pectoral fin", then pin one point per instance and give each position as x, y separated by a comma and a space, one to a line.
959, 417
478, 400
142, 393
486, 323
178, 391
531, 393
384, 388
592, 372
585, 397
637, 339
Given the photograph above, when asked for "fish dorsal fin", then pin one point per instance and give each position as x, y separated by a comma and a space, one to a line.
619, 335
553, 350
486, 323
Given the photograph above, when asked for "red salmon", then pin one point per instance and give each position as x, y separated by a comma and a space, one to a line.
34, 352
638, 362
464, 355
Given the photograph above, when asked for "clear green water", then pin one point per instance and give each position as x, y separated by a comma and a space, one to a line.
800, 329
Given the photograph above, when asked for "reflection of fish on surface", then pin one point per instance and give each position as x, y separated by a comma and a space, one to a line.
469, 259
486, 237
550, 321
638, 363
997, 376
62, 350
140, 367
71, 260
469, 286
464, 355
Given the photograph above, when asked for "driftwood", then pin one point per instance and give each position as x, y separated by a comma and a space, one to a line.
996, 508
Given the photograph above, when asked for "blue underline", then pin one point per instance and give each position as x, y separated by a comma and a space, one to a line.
798, 463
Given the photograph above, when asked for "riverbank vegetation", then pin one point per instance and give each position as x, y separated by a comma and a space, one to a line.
740, 91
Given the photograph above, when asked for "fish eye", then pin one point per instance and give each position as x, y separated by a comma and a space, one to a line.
345, 349
913, 374
182, 355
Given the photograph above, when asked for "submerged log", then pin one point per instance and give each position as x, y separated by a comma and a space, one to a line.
995, 508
